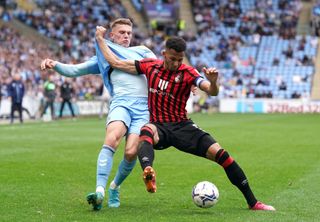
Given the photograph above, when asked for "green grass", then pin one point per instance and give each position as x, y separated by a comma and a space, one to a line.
46, 170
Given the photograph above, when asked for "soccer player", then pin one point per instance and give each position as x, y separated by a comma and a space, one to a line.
66, 92
16, 92
128, 109
169, 83
50, 96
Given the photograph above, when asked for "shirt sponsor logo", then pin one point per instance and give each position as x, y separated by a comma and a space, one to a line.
159, 92
163, 84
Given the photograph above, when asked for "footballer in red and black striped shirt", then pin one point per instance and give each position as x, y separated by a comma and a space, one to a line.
168, 90
169, 84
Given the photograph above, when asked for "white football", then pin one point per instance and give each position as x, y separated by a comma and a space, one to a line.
205, 194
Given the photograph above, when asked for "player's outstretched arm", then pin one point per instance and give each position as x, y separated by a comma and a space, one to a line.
72, 70
124, 65
211, 87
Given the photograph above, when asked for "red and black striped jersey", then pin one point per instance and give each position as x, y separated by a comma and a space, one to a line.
168, 91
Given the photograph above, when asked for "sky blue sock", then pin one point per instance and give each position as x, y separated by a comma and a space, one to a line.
104, 165
124, 170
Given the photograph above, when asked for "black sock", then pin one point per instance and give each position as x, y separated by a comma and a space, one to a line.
236, 176
239, 179
145, 151
146, 154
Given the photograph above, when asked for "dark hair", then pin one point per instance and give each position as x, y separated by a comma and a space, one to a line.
176, 43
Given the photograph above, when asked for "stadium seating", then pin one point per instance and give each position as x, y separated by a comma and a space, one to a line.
246, 39
256, 54
72, 24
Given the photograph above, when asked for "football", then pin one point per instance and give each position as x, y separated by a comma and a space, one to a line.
205, 194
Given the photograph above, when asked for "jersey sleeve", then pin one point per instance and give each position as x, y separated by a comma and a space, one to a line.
142, 65
196, 77
74, 70
198, 81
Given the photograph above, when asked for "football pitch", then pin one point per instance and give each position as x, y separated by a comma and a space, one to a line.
46, 170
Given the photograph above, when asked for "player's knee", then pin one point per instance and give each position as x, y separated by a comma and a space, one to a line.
212, 151
112, 140
146, 134
130, 155
131, 151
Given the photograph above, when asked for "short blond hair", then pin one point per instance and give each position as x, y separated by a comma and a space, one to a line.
121, 21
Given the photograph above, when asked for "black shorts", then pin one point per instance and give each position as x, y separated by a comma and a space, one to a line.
185, 136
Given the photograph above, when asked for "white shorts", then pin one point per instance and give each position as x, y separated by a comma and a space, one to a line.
132, 111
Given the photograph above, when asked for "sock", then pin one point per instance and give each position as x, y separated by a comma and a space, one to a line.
113, 185
124, 170
104, 165
146, 154
236, 175
100, 189
145, 151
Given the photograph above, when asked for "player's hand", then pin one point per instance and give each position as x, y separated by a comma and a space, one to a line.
48, 64
211, 74
100, 32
